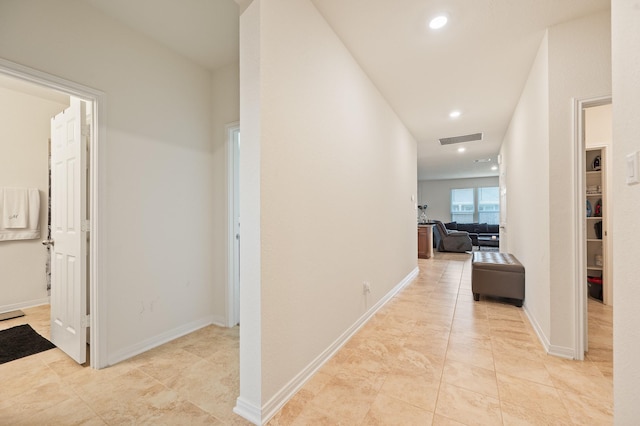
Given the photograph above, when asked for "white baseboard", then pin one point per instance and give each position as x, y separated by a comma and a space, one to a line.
24, 305
248, 411
536, 327
272, 406
219, 320
559, 351
158, 340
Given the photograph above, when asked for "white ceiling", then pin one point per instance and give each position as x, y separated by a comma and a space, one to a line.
477, 64
205, 31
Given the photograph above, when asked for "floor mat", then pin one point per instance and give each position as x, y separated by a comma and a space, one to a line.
10, 315
20, 341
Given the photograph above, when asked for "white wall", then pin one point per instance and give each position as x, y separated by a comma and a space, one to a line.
437, 194
159, 164
579, 68
249, 403
598, 130
525, 162
573, 63
626, 226
337, 172
24, 135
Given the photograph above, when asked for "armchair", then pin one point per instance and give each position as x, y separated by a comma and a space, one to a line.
454, 241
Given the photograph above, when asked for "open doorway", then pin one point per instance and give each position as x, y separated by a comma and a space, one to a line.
89, 197
233, 202
595, 286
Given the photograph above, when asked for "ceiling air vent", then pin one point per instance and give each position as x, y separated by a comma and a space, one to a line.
460, 139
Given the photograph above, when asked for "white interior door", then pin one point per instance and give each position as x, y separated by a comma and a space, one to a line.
69, 242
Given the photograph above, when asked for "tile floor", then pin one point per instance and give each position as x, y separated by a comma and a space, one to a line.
192, 380
430, 356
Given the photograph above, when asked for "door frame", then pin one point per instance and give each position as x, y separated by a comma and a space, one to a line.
581, 332
233, 244
96, 203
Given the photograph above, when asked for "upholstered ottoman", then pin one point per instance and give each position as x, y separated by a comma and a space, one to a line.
497, 274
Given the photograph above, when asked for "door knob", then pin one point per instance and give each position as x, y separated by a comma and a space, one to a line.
48, 243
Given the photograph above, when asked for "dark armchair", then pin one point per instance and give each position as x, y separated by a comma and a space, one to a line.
454, 241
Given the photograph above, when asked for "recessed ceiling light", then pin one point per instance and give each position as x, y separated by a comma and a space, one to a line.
454, 114
438, 22
494, 167
462, 149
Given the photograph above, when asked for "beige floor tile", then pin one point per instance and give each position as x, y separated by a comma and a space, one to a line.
523, 368
72, 411
468, 407
439, 420
34, 400
584, 410
374, 351
471, 326
312, 416
470, 377
590, 382
470, 311
465, 339
432, 355
157, 405
471, 354
516, 415
341, 399
390, 411
207, 387
518, 348
411, 361
531, 396
418, 390
317, 383
163, 364
24, 374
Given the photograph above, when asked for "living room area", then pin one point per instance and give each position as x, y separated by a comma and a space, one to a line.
470, 205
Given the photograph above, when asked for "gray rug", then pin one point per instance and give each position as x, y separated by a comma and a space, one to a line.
10, 315
20, 341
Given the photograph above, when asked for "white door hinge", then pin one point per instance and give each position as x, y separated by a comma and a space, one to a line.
85, 226
86, 321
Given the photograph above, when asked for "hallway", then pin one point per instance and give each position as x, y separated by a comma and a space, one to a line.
430, 356
434, 356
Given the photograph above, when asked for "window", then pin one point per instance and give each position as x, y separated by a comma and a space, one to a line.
465, 200
489, 205
462, 205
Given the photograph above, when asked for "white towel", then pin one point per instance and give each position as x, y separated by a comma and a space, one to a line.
19, 219
16, 208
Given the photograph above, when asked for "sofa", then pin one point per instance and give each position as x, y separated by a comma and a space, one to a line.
453, 241
475, 230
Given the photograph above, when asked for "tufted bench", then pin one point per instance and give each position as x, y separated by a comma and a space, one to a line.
497, 274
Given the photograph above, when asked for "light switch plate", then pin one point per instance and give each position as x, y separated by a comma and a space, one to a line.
632, 169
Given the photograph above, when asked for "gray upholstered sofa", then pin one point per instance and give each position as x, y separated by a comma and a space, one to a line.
475, 230
453, 241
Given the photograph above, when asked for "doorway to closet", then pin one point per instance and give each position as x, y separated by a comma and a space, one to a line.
595, 277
